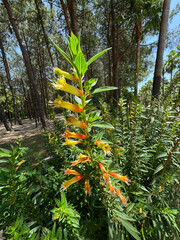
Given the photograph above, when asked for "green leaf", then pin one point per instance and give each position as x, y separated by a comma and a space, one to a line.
161, 155
73, 43
64, 55
130, 228
5, 153
80, 63
159, 168
104, 89
102, 125
97, 56
78, 100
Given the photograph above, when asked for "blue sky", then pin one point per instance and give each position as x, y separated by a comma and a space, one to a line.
172, 25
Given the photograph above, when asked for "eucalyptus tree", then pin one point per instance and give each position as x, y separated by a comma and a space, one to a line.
4, 119
27, 62
6, 66
160, 49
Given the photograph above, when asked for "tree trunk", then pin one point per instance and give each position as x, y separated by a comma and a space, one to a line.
138, 52
4, 119
160, 50
66, 16
44, 32
16, 110
27, 62
72, 11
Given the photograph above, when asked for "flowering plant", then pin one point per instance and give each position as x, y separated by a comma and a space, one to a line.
89, 166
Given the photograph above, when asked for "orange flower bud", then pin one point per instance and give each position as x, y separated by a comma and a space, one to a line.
87, 187
122, 178
69, 171
73, 120
68, 183
121, 197
68, 134
81, 159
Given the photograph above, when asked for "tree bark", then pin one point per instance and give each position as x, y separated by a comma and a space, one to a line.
44, 32
160, 49
138, 52
66, 16
27, 62
72, 11
4, 119
17, 116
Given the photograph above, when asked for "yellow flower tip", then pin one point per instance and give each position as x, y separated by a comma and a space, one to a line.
70, 142
73, 180
160, 188
69, 171
87, 187
73, 120
68, 134
121, 197
62, 85
21, 162
122, 178
57, 217
60, 103
69, 76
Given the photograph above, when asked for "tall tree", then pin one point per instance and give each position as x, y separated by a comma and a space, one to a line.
160, 49
39, 15
73, 15
4, 119
27, 62
6, 66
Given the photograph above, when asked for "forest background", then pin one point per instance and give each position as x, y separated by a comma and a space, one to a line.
132, 130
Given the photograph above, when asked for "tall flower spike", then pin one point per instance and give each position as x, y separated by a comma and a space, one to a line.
81, 159
122, 178
60, 103
68, 134
63, 86
69, 76
121, 197
74, 121
70, 142
87, 187
68, 183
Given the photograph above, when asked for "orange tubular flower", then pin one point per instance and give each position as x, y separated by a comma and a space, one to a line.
69, 76
111, 188
122, 178
68, 134
73, 120
87, 187
69, 142
63, 86
69, 171
105, 174
81, 159
121, 197
60, 103
68, 183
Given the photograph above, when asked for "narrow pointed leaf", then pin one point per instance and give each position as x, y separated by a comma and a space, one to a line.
104, 89
101, 125
64, 54
97, 56
81, 63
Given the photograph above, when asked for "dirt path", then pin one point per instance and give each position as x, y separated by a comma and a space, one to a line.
28, 129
